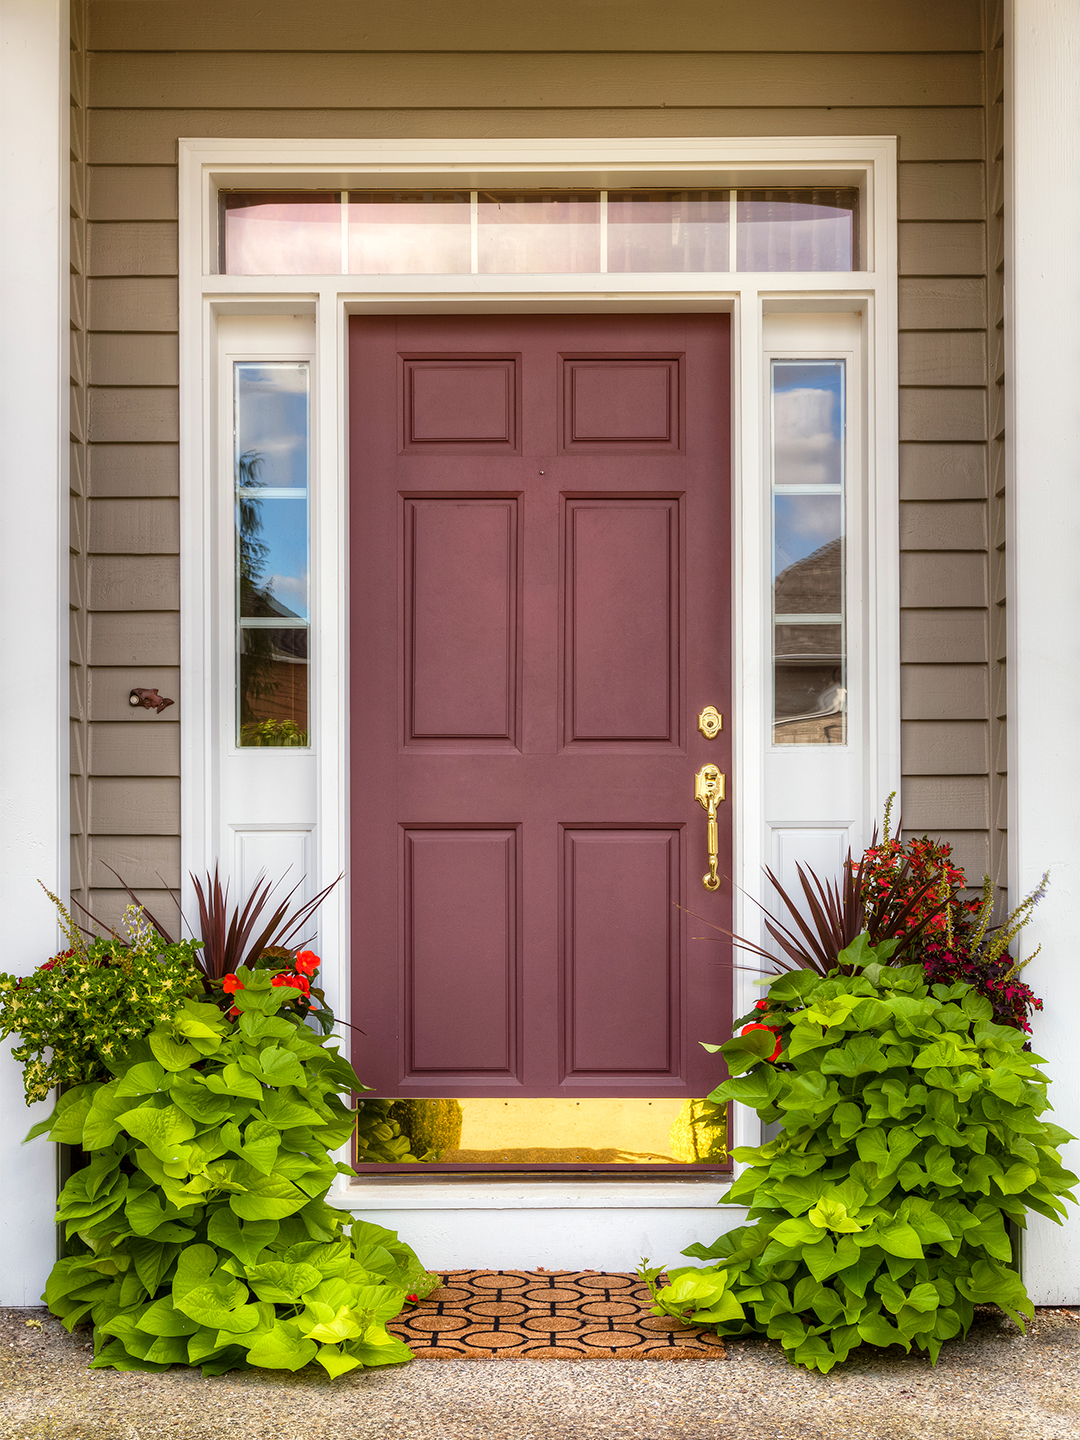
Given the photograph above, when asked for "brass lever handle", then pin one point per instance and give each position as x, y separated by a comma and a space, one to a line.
709, 792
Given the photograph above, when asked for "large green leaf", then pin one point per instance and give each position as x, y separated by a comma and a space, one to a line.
282, 1349
245, 1239
172, 1054
281, 1282
267, 1198
162, 1131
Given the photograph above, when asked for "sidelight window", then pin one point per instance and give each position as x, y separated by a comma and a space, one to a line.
808, 552
271, 450
515, 232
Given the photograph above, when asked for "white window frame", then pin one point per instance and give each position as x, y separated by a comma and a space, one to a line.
679, 1210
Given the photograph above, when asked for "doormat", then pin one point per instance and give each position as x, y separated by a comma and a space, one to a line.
547, 1315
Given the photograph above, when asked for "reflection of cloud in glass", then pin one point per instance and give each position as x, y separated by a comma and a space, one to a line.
272, 420
808, 421
802, 525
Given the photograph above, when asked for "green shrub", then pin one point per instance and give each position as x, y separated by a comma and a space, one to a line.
83, 1009
199, 1231
912, 1135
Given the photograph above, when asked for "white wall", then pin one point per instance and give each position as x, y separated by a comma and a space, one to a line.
33, 577
1042, 280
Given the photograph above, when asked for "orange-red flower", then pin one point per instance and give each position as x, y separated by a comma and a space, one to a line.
307, 962
231, 984
775, 1030
295, 982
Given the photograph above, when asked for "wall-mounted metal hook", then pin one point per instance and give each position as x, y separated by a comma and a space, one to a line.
149, 700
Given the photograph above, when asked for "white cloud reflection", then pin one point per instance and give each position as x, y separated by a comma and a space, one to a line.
807, 437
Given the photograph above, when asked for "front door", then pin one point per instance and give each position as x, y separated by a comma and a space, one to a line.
540, 579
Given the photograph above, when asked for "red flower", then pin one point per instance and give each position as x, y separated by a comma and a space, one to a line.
412, 1298
762, 1005
233, 1013
231, 984
295, 982
307, 962
775, 1030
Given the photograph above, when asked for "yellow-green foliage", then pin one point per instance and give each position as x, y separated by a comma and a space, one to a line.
80, 1014
699, 1134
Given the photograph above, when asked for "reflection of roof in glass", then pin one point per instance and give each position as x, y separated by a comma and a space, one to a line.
814, 586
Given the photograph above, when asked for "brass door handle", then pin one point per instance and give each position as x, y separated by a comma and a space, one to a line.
709, 792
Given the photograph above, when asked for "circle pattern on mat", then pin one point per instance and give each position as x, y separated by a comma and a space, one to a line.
559, 1315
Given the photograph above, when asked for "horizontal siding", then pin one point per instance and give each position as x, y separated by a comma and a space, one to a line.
942, 637
117, 638
134, 248
143, 861
493, 25
332, 79
118, 749
933, 304
135, 805
942, 472
570, 68
135, 470
148, 137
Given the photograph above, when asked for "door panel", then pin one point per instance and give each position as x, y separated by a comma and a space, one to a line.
622, 952
460, 613
540, 605
622, 590
461, 952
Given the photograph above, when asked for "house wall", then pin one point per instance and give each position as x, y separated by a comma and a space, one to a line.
157, 71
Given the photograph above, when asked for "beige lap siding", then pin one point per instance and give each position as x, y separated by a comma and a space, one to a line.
570, 67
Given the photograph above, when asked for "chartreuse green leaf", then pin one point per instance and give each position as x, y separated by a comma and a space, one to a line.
202, 1215
914, 1132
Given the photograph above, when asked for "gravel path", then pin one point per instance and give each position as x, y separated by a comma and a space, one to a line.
996, 1385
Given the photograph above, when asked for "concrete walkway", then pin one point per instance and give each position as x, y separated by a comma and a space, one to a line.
996, 1385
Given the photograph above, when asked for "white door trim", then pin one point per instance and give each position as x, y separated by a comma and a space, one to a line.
206, 165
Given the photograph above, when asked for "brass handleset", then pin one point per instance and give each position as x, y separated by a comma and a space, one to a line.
708, 792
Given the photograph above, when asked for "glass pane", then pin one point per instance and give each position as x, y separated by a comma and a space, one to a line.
676, 230
422, 233
271, 424
276, 233
796, 229
272, 455
542, 1132
811, 700
273, 686
808, 422
539, 233
808, 553
271, 429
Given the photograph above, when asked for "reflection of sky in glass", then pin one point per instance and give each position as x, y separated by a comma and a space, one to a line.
272, 421
272, 456
796, 230
803, 524
808, 422
284, 570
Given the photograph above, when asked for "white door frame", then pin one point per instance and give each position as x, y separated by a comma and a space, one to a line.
516, 1222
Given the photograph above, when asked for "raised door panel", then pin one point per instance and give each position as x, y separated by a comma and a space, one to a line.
621, 404
621, 620
451, 404
621, 953
460, 610
461, 941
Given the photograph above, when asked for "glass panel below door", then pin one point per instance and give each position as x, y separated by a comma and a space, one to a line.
544, 1133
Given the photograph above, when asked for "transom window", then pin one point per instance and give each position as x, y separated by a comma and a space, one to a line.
516, 232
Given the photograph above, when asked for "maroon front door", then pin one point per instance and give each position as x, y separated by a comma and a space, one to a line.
540, 610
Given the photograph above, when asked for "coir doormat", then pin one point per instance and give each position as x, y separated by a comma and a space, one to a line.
547, 1315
